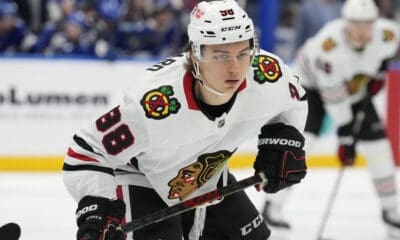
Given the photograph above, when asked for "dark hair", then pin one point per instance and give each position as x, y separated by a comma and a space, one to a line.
188, 66
189, 63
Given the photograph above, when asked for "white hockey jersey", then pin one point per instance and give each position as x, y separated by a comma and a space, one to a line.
160, 138
327, 62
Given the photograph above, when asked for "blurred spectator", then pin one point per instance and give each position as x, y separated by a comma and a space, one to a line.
58, 12
72, 39
60, 9
188, 5
252, 8
153, 28
386, 8
112, 40
14, 35
285, 32
162, 34
138, 10
313, 14
111, 10
67, 6
33, 12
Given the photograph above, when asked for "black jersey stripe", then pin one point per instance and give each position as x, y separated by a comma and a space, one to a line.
83, 167
82, 143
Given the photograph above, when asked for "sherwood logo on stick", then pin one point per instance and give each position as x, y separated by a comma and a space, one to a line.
13, 96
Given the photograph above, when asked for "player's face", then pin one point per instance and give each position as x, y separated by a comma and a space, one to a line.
224, 66
359, 33
6, 23
72, 32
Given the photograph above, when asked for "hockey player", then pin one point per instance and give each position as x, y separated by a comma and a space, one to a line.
341, 68
171, 137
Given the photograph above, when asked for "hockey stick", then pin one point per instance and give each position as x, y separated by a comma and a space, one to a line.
192, 203
359, 119
329, 205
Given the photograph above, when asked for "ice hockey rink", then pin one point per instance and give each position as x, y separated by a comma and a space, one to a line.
39, 203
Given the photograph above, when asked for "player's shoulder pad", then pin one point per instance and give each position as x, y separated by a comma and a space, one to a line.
328, 38
167, 64
153, 101
266, 67
164, 72
270, 71
328, 44
387, 30
156, 91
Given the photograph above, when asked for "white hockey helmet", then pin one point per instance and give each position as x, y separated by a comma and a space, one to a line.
360, 10
219, 22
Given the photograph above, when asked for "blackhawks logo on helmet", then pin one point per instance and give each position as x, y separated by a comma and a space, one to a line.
159, 104
266, 69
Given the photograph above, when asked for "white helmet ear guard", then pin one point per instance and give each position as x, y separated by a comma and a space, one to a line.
360, 10
219, 22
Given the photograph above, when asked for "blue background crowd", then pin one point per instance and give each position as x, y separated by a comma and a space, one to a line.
140, 28
101, 28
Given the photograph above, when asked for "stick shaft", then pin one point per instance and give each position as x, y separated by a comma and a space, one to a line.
193, 203
329, 205
359, 120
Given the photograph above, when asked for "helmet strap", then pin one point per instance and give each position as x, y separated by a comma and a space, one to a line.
197, 76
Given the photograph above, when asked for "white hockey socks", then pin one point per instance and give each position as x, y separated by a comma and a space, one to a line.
382, 169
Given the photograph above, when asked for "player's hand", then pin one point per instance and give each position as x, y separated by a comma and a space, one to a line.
346, 151
98, 218
280, 156
346, 154
375, 85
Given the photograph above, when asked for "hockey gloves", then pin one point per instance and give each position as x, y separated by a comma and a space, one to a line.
346, 151
280, 156
98, 217
375, 85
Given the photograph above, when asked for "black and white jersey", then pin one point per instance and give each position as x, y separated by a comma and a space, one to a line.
328, 63
160, 137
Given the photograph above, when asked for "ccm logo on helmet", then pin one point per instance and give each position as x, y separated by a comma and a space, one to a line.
86, 209
279, 141
232, 28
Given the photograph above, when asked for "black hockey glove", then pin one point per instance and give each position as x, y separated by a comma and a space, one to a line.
280, 156
97, 218
375, 85
346, 150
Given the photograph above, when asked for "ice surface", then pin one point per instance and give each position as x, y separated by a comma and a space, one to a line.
39, 203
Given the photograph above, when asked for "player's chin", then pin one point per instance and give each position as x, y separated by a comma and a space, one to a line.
360, 43
230, 90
